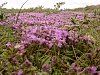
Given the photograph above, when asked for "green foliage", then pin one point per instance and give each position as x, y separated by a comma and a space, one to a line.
2, 15
96, 12
74, 20
58, 5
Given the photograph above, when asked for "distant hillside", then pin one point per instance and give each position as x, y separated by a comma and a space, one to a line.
41, 9
89, 8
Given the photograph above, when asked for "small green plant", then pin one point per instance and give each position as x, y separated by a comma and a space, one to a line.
3, 4
74, 20
86, 20
95, 12
2, 15
58, 5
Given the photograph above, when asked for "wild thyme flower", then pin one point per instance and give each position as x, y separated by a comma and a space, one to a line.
46, 67
14, 60
20, 72
91, 69
27, 63
8, 44
54, 60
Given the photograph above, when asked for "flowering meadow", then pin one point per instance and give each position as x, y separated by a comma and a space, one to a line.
61, 43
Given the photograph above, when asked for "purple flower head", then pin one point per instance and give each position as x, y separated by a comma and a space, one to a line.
21, 52
27, 63
14, 73
49, 44
74, 65
54, 60
42, 41
8, 44
93, 68
78, 69
46, 67
59, 44
14, 60
16, 26
98, 49
19, 46
88, 38
97, 28
90, 69
96, 73
20, 72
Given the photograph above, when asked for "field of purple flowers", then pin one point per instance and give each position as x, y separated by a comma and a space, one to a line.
62, 43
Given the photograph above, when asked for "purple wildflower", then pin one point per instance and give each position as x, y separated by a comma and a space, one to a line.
54, 60
14, 73
27, 63
73, 64
46, 67
20, 72
59, 44
90, 69
8, 44
14, 60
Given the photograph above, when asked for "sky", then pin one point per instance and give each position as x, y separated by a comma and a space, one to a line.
49, 3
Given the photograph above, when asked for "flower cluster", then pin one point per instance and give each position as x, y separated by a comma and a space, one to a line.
44, 35
19, 72
59, 19
43, 44
90, 70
